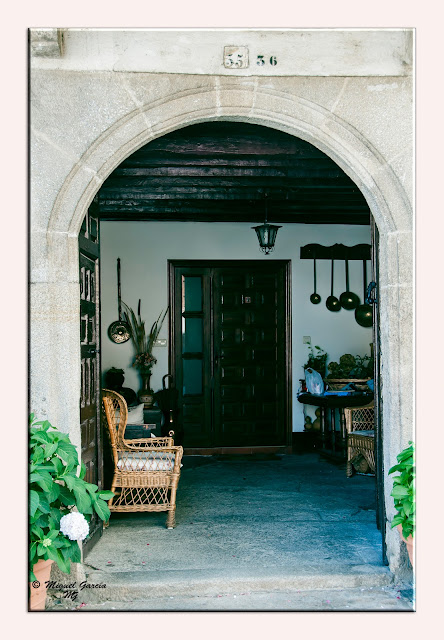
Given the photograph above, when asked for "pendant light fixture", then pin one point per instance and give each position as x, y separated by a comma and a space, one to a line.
266, 233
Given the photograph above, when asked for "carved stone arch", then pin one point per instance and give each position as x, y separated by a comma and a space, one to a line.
374, 176
297, 116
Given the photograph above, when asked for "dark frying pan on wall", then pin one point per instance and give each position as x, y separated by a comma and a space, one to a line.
348, 299
364, 313
332, 303
315, 298
118, 331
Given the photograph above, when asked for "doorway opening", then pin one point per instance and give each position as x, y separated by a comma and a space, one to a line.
180, 198
230, 337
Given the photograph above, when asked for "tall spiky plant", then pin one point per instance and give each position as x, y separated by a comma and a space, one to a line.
143, 343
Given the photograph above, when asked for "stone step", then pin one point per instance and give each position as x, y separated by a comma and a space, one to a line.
124, 586
385, 598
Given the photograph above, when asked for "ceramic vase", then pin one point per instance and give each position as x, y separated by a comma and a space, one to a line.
146, 393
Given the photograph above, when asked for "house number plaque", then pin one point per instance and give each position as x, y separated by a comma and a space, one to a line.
235, 57
238, 58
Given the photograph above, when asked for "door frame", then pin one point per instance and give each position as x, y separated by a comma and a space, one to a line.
381, 516
288, 384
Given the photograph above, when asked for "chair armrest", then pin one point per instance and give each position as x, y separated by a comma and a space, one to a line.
136, 444
178, 458
141, 444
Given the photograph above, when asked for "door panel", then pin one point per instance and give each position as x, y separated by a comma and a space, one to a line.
88, 345
230, 352
192, 373
90, 428
249, 315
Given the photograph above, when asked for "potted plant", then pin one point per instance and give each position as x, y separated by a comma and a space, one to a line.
317, 359
143, 344
403, 494
60, 506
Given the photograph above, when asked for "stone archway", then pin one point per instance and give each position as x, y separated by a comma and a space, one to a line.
297, 116
56, 296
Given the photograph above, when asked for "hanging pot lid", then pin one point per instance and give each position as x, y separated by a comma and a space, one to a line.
118, 331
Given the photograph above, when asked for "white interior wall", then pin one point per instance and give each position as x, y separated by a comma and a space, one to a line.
145, 247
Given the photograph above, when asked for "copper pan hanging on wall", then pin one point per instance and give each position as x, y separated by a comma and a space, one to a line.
118, 331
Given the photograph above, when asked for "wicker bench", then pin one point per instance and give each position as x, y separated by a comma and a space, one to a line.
146, 470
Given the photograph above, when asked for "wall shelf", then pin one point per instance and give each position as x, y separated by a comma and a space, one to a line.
336, 252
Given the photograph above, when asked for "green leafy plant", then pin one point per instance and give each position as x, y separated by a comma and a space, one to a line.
143, 342
317, 359
403, 491
54, 491
350, 367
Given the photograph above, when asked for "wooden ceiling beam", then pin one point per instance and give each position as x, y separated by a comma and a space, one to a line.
237, 145
155, 183
222, 209
228, 170
228, 195
220, 171
230, 160
299, 218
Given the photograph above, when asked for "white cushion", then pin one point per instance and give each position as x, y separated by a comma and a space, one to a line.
135, 414
145, 461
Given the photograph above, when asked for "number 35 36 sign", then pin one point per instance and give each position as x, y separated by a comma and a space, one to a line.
238, 58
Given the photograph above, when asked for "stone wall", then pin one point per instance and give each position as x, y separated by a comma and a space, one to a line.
89, 111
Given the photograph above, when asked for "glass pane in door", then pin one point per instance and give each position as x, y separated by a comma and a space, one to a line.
191, 293
192, 335
192, 377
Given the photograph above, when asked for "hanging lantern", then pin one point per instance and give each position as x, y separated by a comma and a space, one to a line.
266, 234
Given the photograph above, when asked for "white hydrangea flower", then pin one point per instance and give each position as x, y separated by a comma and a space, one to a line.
74, 525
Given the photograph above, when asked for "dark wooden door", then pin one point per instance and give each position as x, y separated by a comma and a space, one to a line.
91, 443
231, 352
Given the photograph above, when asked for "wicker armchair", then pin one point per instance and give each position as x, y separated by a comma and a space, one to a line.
360, 427
146, 470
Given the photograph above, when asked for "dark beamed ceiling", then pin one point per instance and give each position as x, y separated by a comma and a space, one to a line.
223, 171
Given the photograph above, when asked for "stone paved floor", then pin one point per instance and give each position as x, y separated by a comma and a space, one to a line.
291, 515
